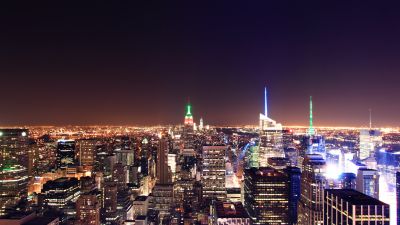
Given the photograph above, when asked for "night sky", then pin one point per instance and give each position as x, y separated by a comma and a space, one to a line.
137, 64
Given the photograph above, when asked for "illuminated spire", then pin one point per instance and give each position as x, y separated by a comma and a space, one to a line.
265, 102
311, 130
188, 116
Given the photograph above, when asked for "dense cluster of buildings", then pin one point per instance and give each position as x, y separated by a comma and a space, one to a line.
197, 174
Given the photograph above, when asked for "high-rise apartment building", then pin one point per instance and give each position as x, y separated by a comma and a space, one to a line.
87, 151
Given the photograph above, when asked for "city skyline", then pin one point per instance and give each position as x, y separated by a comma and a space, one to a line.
69, 64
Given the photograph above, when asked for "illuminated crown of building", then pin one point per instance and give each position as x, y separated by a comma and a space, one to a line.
267, 123
188, 116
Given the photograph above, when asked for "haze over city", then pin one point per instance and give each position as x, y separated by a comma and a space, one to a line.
138, 63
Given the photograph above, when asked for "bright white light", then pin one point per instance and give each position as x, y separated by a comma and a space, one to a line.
332, 172
23, 134
1, 133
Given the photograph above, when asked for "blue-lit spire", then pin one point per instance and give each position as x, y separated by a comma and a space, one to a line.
265, 101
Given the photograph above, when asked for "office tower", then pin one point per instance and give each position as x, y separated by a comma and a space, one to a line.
347, 181
87, 151
398, 196
312, 190
270, 136
119, 176
60, 193
369, 140
109, 206
213, 172
348, 206
163, 170
367, 182
13, 186
228, 213
14, 146
188, 115
294, 182
88, 210
66, 154
266, 197
163, 196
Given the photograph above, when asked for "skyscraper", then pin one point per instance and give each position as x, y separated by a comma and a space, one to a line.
367, 182
87, 151
294, 182
398, 196
369, 140
270, 136
14, 165
88, 210
312, 190
13, 186
266, 195
66, 153
164, 175
348, 206
188, 115
213, 172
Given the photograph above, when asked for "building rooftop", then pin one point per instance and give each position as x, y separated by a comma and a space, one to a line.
263, 172
141, 198
354, 197
230, 210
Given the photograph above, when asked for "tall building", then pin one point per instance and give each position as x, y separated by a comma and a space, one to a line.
313, 182
294, 182
312, 143
271, 144
367, 182
164, 175
87, 151
369, 140
13, 186
188, 115
88, 210
348, 206
66, 153
14, 146
398, 196
109, 204
163, 197
266, 195
213, 172
14, 168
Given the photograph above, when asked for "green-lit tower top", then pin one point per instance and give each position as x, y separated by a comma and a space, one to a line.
188, 116
311, 130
